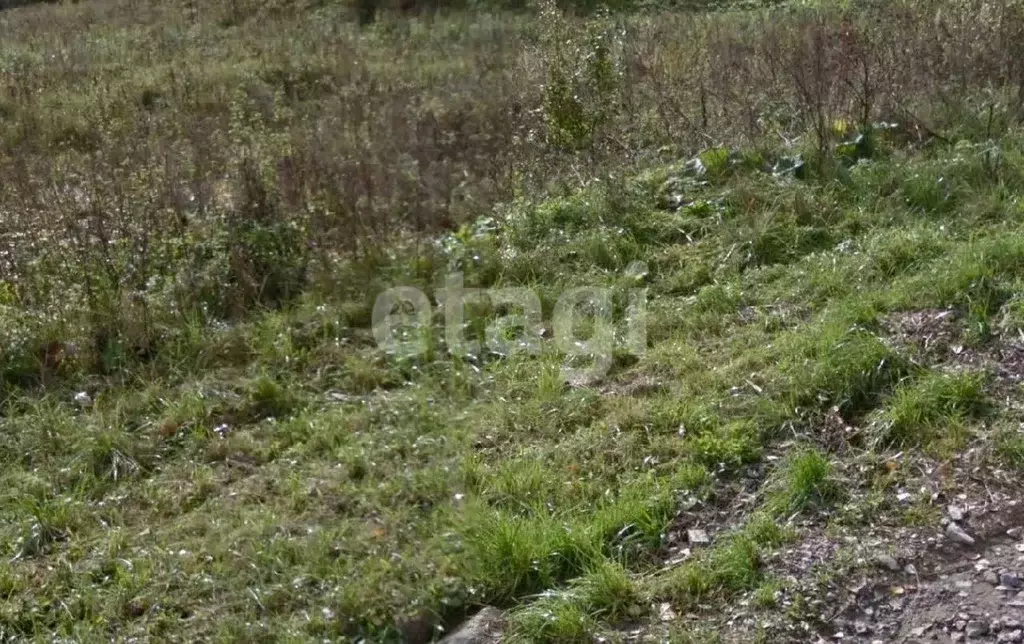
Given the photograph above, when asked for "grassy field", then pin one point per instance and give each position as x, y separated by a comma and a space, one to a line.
200, 438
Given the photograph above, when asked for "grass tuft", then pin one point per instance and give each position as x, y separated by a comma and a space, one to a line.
931, 406
805, 483
556, 617
841, 365
733, 564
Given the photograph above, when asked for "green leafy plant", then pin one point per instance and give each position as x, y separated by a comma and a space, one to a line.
582, 77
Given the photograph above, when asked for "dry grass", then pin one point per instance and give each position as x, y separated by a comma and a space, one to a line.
219, 157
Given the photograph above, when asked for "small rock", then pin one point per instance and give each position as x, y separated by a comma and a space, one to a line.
887, 561
990, 577
918, 631
698, 537
1010, 580
959, 625
485, 627
1015, 533
1010, 637
910, 569
956, 637
956, 533
956, 513
861, 628
976, 628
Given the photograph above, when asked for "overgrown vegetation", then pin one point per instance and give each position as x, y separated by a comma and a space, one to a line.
200, 203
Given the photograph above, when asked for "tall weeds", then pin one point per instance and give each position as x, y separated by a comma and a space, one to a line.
163, 161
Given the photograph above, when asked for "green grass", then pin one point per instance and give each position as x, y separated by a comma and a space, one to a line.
842, 365
766, 595
609, 592
931, 406
606, 593
303, 471
733, 564
1009, 447
222, 451
805, 483
554, 619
